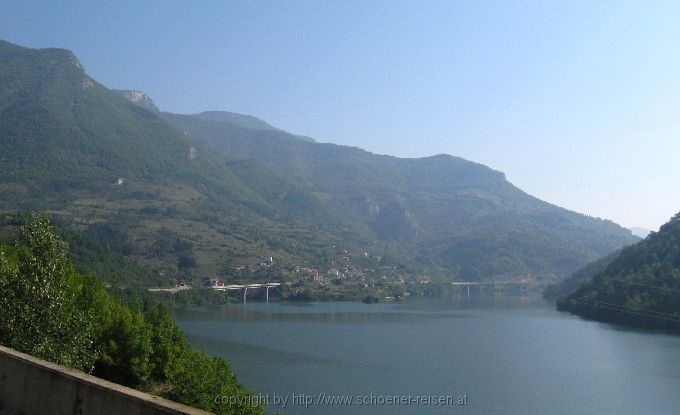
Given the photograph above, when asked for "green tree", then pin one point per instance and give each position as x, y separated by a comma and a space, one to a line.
169, 343
204, 380
125, 346
41, 307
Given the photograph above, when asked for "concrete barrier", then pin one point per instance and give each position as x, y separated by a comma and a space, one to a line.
32, 386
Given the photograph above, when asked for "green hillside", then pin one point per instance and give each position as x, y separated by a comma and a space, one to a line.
442, 212
64, 132
228, 195
640, 286
67, 141
97, 252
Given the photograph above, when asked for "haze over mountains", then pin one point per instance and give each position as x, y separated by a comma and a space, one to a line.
233, 189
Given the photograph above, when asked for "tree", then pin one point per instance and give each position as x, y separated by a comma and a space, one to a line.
125, 346
169, 343
203, 378
41, 307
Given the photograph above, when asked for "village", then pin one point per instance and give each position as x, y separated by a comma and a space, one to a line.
342, 280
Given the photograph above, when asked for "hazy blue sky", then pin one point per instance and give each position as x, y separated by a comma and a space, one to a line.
578, 103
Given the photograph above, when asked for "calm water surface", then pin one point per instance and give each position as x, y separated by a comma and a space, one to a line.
508, 355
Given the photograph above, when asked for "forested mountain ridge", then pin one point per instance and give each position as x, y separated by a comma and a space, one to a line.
640, 286
195, 196
62, 128
90, 157
442, 211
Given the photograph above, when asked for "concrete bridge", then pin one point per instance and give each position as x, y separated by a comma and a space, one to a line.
245, 287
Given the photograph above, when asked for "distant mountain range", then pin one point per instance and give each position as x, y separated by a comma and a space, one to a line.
203, 194
640, 232
640, 285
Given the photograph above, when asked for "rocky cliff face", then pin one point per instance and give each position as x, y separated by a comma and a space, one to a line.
139, 98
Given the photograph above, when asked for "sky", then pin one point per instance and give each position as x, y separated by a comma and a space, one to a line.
578, 103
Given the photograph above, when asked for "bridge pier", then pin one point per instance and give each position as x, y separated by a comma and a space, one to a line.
267, 295
245, 293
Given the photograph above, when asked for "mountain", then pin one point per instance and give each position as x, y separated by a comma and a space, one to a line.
90, 157
228, 119
640, 286
640, 232
62, 130
247, 122
442, 211
217, 193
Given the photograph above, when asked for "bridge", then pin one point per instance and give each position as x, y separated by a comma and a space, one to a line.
468, 284
245, 287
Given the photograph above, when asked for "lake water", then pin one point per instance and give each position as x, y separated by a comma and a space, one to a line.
499, 355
